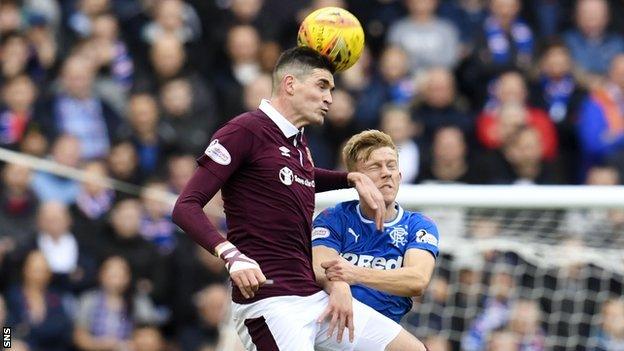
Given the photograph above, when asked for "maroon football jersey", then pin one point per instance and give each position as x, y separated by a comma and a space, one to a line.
268, 196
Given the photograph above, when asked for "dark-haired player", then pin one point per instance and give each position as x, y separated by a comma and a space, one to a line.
262, 165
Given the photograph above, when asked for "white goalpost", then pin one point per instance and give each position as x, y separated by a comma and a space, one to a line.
563, 245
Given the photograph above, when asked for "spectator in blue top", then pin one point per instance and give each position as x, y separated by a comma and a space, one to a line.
592, 45
601, 119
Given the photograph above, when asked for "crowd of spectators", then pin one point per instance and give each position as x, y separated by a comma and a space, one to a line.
472, 91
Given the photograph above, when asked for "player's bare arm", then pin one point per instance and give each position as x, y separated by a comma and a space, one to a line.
409, 280
370, 195
340, 307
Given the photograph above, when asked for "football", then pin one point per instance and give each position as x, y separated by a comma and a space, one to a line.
335, 33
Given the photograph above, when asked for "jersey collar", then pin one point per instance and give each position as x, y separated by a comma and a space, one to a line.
386, 224
284, 125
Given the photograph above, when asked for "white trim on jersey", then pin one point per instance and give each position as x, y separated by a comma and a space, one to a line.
284, 125
396, 219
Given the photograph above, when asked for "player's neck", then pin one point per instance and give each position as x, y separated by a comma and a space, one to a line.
391, 211
285, 109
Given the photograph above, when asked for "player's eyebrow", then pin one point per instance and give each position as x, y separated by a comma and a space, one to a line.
327, 82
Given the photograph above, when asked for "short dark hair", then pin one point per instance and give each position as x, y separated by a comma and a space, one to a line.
305, 56
301, 60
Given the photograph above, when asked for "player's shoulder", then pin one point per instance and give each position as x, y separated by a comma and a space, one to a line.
418, 219
342, 208
250, 120
338, 211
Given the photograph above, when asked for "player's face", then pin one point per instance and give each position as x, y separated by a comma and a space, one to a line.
313, 95
382, 167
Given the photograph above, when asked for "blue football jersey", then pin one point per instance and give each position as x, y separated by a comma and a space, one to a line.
345, 229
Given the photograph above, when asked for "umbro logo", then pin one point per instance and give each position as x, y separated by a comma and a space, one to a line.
285, 151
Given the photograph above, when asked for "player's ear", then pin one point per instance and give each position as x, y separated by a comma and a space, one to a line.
288, 84
400, 176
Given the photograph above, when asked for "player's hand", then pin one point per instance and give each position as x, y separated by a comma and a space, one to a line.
244, 271
340, 310
370, 194
340, 269
248, 281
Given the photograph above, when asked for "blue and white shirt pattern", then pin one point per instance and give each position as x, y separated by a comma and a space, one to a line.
345, 229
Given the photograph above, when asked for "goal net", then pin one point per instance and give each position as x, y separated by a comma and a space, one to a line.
532, 265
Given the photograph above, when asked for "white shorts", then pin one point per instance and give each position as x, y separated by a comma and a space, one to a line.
288, 323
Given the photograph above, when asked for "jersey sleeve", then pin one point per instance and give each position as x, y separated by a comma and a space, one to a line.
426, 237
326, 230
229, 148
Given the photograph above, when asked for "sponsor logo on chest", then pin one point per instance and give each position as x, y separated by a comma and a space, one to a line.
287, 177
369, 261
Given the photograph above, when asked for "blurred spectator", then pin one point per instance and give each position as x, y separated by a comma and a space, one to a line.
393, 83
173, 17
432, 320
18, 98
75, 110
18, 207
42, 37
51, 187
147, 134
43, 11
449, 160
357, 78
339, 125
592, 45
496, 313
601, 223
10, 17
396, 122
610, 334
104, 316
601, 119
193, 269
189, 116
573, 281
123, 164
147, 338
93, 203
148, 269
80, 21
36, 313
520, 159
180, 169
112, 58
525, 322
212, 329
167, 59
427, 39
256, 90
557, 91
503, 340
505, 42
438, 105
468, 17
156, 226
16, 57
71, 267
510, 88
469, 294
242, 45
